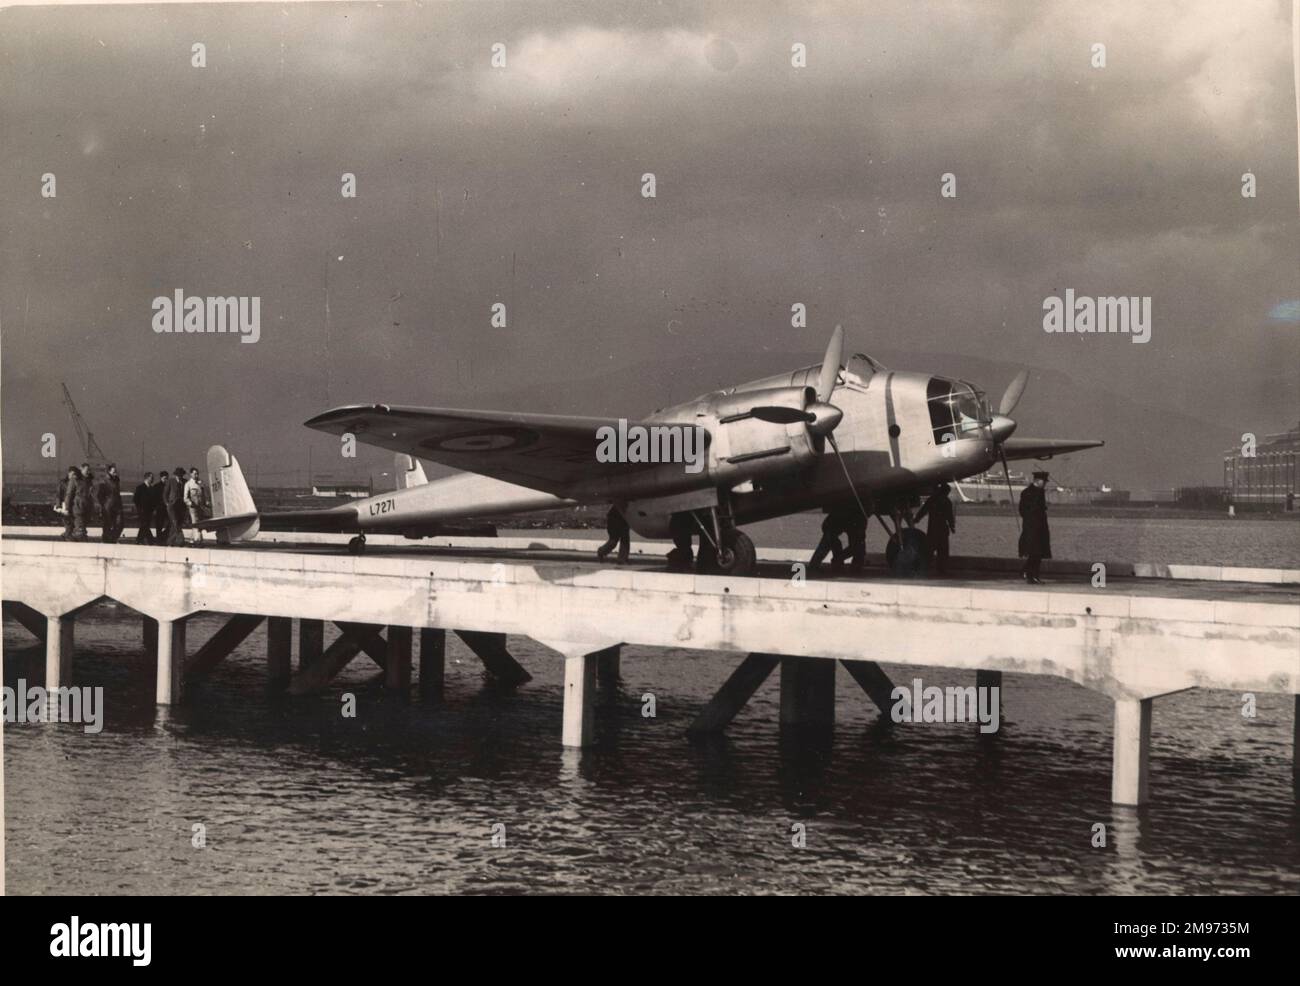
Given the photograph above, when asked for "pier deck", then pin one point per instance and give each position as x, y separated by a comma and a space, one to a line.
1134, 640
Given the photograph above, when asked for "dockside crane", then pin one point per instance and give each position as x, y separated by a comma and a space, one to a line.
89, 447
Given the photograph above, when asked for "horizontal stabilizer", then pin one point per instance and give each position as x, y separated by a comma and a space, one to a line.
1045, 448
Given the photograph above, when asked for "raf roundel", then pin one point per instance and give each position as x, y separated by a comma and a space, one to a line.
493, 440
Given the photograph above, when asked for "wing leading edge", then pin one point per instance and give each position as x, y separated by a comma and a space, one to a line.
1045, 448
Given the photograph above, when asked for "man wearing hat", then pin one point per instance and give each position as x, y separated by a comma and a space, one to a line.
1035, 538
943, 521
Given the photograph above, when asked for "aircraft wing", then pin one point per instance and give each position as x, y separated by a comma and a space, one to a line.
1045, 448
554, 453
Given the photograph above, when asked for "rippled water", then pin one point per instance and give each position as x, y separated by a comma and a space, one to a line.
403, 798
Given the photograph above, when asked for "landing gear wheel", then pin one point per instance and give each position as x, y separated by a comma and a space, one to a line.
737, 556
357, 544
907, 559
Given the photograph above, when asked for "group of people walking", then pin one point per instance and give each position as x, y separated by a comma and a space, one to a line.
162, 506
1034, 545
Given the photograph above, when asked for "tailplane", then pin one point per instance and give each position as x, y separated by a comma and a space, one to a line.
234, 515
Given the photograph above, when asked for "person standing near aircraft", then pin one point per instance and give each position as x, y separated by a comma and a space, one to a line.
173, 502
855, 526
1035, 537
68, 490
108, 494
82, 502
830, 544
682, 530
194, 501
143, 498
943, 520
161, 524
619, 536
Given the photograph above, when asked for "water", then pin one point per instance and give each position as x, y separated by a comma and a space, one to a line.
295, 798
1173, 540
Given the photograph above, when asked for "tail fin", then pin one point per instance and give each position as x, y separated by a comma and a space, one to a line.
409, 471
234, 515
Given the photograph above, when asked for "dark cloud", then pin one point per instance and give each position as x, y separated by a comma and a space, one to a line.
775, 185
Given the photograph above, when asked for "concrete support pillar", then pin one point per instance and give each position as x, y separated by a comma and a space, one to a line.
397, 672
579, 700
807, 691
734, 693
992, 679
873, 680
30, 618
150, 631
1295, 748
1131, 768
58, 651
490, 648
608, 666
311, 642
222, 644
989, 679
433, 662
279, 650
171, 661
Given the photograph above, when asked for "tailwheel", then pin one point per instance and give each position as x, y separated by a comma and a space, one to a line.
736, 556
357, 544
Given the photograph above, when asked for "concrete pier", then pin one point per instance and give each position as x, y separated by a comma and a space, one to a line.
433, 662
171, 661
59, 638
1133, 641
279, 650
579, 700
1131, 772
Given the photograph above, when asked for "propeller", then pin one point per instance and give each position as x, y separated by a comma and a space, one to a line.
1002, 427
1013, 393
818, 413
1006, 475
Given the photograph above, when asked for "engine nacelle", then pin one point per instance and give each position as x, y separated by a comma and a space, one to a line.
746, 446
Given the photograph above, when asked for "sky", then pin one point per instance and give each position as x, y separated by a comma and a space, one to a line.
522, 185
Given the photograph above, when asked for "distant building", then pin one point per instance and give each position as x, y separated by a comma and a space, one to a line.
1267, 479
340, 489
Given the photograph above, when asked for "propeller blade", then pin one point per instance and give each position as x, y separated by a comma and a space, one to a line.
777, 415
1011, 497
831, 365
1013, 393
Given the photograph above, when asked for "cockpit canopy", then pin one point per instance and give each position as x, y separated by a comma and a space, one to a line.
957, 409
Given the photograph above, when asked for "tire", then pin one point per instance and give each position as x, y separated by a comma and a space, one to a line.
357, 545
737, 557
907, 559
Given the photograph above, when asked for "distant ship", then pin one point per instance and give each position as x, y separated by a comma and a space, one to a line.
992, 487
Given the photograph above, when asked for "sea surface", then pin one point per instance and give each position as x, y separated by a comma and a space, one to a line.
476, 795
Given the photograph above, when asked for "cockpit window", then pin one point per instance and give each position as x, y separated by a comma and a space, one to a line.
860, 368
956, 409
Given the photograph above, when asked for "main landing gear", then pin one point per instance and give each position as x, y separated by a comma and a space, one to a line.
724, 548
357, 545
905, 552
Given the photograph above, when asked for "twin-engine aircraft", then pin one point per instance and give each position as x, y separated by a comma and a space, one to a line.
835, 434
